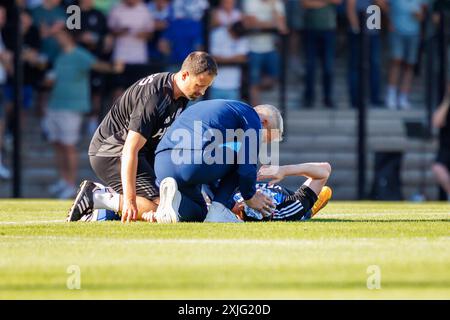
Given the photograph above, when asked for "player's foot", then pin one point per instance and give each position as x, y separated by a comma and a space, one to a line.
322, 200
84, 202
169, 202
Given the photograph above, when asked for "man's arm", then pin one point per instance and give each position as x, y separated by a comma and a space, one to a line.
133, 144
440, 115
313, 170
352, 15
106, 67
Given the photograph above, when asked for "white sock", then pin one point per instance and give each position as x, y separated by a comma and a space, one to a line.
403, 97
391, 91
106, 199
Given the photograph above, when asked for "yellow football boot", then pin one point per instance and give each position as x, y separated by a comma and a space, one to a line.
322, 200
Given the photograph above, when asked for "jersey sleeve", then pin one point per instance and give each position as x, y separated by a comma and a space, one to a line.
142, 117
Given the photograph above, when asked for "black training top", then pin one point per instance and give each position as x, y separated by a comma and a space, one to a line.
147, 107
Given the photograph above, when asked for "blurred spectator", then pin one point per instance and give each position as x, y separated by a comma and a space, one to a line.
263, 15
160, 10
320, 41
105, 6
441, 117
69, 100
92, 37
405, 17
228, 47
31, 4
132, 25
356, 9
441, 120
225, 14
49, 18
294, 18
185, 31
33, 63
5, 61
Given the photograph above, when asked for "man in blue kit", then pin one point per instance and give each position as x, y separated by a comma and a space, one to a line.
215, 143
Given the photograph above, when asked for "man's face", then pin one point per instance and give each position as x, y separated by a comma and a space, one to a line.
131, 3
195, 87
87, 3
2, 16
228, 4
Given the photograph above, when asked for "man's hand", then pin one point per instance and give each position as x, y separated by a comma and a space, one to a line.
261, 203
149, 216
129, 211
273, 173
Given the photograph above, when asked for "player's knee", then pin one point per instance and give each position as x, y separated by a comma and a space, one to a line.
327, 167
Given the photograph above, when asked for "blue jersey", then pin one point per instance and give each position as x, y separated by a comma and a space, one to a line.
214, 125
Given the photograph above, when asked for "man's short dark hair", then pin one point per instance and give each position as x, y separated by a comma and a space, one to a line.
198, 62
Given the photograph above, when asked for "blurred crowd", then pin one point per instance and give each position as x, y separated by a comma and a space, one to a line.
77, 72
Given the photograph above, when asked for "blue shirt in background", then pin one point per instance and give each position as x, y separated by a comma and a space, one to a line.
402, 15
71, 90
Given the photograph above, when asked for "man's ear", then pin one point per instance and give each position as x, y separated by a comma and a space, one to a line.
184, 75
265, 123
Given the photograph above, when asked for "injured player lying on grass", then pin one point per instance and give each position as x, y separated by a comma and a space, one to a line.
300, 205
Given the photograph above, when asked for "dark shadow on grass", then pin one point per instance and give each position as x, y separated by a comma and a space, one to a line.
377, 220
235, 285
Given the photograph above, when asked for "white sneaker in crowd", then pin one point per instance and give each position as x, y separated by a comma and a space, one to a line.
403, 102
4, 172
391, 100
68, 192
57, 187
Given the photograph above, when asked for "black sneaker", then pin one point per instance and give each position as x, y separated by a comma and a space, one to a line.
84, 202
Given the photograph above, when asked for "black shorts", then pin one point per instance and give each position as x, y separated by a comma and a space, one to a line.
108, 169
443, 157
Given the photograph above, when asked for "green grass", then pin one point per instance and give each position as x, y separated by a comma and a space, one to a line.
324, 258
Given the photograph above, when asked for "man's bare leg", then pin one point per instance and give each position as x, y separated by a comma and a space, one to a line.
143, 205
442, 176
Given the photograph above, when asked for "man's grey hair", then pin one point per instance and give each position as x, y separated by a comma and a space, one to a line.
274, 114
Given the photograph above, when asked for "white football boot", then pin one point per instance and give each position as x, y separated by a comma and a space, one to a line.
169, 202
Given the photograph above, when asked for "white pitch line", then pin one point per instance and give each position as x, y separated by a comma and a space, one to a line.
30, 222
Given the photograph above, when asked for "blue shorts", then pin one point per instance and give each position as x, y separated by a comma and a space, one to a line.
191, 177
404, 47
263, 64
27, 95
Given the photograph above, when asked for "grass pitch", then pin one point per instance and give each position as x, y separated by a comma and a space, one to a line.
328, 257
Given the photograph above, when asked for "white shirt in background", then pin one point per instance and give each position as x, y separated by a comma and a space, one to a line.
227, 19
263, 10
129, 48
224, 45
